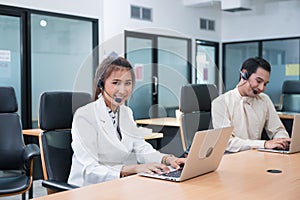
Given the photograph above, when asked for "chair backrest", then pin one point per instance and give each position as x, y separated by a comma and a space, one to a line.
195, 105
58, 153
55, 118
291, 96
57, 108
11, 138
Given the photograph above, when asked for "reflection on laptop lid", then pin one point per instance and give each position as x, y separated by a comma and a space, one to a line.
206, 152
295, 140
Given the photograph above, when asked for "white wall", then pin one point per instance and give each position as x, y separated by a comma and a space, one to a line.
167, 15
266, 20
170, 17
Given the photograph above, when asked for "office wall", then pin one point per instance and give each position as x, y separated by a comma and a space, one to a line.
167, 14
170, 17
267, 19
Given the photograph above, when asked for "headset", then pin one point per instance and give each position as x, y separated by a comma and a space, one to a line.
245, 76
100, 85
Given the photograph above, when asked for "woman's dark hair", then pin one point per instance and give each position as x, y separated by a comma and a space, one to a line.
251, 65
104, 70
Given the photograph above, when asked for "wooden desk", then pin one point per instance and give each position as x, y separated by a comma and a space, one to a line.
170, 126
240, 176
38, 132
33, 132
287, 115
166, 121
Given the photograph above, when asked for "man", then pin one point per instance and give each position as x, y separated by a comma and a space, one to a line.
250, 111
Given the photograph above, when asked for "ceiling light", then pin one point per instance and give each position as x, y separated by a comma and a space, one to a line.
43, 23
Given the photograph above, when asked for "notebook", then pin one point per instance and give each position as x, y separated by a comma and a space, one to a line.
295, 140
205, 155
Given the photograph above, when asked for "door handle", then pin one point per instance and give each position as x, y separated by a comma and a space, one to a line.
155, 85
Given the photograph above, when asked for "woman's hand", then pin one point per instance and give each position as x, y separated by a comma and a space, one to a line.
150, 168
153, 168
175, 162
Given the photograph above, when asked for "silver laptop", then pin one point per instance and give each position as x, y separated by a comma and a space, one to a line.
206, 152
295, 140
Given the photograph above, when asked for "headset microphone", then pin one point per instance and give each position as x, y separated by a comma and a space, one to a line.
118, 100
245, 76
254, 91
101, 86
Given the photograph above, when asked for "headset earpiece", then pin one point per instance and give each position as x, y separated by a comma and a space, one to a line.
244, 75
100, 84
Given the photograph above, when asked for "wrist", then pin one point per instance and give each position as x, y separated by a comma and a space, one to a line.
122, 172
128, 170
166, 160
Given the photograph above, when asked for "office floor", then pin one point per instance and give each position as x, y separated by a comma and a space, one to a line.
38, 191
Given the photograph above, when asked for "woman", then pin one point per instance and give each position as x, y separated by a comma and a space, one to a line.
107, 144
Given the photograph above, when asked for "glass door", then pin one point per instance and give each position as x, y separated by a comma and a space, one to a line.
207, 70
41, 52
173, 72
283, 55
162, 67
59, 57
10, 54
234, 56
139, 52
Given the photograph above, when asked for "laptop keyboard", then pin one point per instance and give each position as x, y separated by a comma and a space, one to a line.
174, 174
286, 149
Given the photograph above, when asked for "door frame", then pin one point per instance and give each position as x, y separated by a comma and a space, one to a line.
154, 38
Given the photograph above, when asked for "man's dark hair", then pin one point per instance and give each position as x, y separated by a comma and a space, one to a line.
251, 65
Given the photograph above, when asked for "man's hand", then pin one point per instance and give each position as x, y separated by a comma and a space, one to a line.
280, 143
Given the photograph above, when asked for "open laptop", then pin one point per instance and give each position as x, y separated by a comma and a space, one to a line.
295, 140
206, 152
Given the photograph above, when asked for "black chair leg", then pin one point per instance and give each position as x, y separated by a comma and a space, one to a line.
24, 196
31, 192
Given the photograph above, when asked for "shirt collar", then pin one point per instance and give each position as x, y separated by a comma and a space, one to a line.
245, 99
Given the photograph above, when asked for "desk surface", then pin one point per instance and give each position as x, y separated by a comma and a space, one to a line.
172, 121
33, 132
287, 115
165, 121
240, 176
37, 133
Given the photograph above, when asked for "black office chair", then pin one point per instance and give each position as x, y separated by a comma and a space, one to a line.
290, 97
55, 118
289, 101
195, 105
16, 158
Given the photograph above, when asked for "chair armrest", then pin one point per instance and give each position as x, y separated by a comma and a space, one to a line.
58, 186
278, 107
30, 151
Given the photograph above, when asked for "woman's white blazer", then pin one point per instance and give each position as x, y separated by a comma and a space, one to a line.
99, 154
